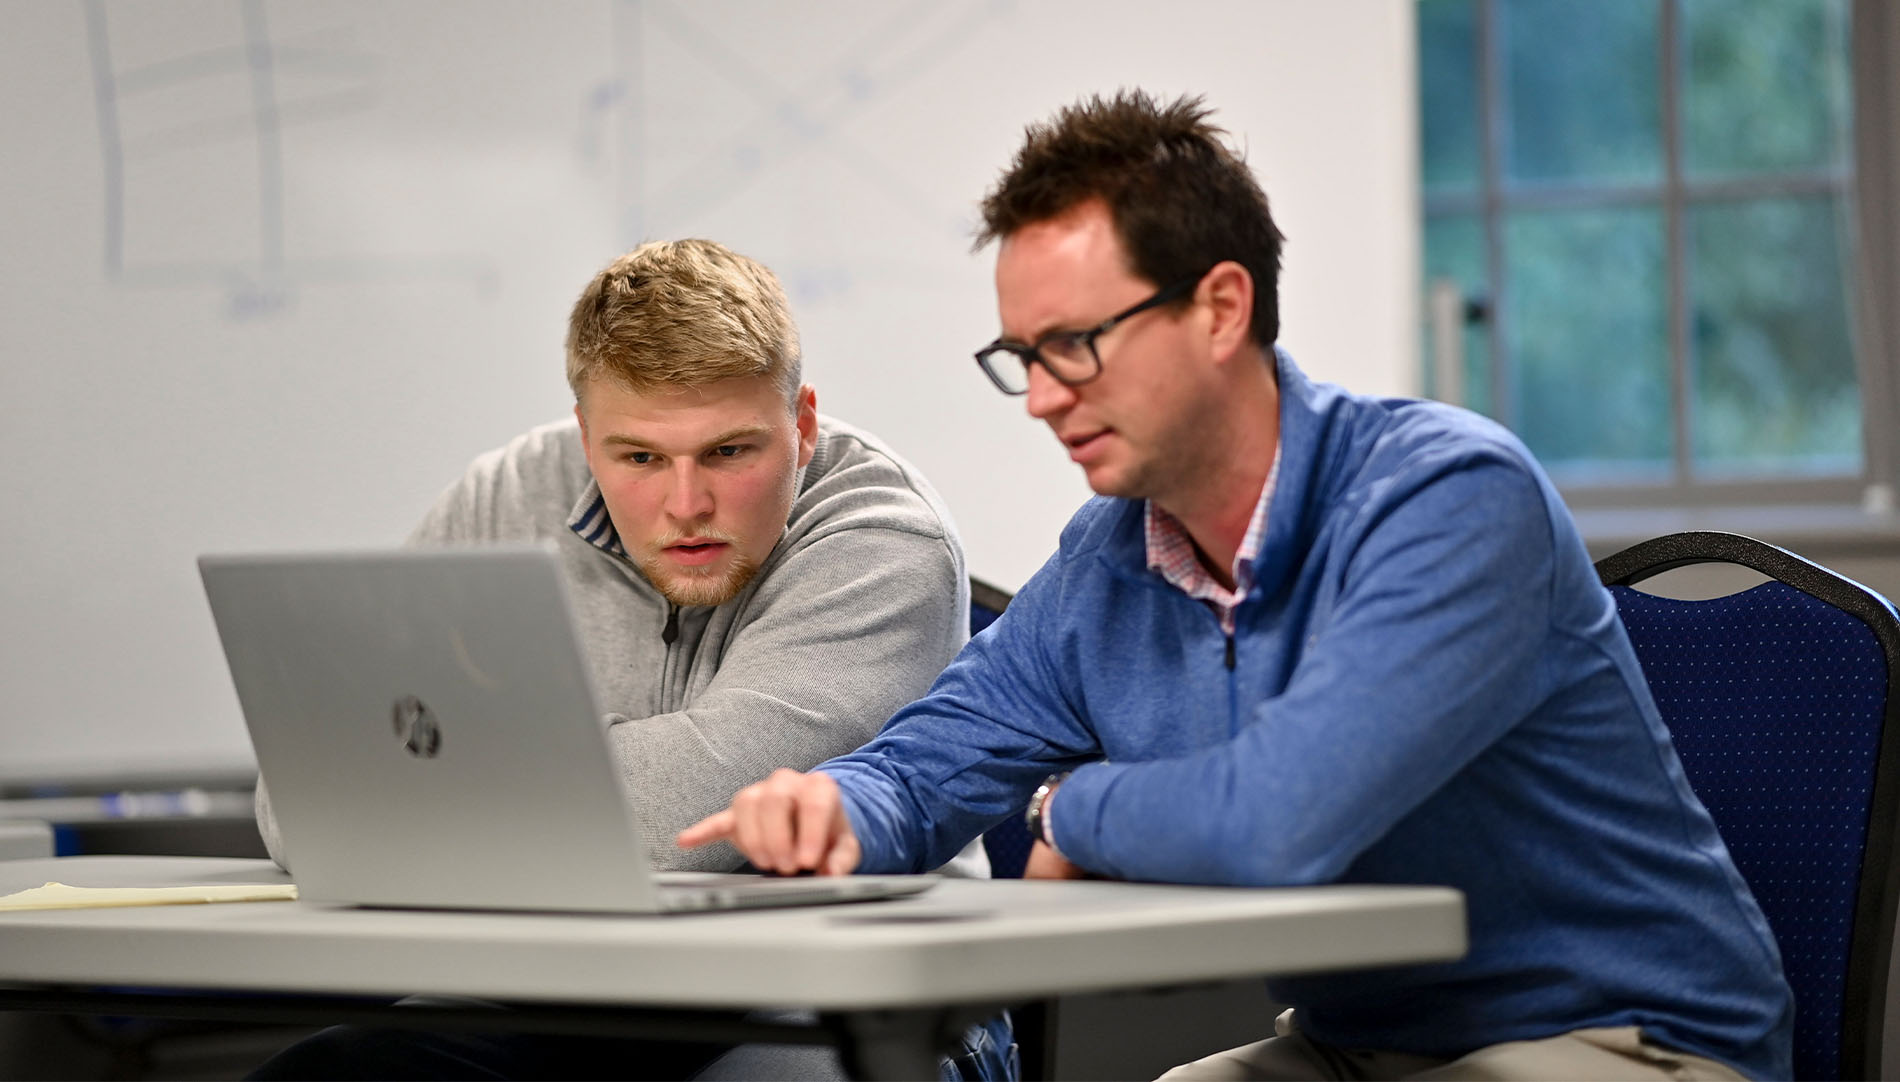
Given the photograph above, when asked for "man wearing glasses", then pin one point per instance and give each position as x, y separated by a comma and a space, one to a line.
1303, 636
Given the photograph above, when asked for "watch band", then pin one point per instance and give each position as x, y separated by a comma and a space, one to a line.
1033, 817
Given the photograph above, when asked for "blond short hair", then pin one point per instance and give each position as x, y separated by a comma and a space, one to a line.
682, 313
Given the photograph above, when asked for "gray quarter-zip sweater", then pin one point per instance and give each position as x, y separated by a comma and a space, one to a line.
853, 614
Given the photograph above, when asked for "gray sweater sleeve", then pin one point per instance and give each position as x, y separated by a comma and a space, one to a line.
850, 628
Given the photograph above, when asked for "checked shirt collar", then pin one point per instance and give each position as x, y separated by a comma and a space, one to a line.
1171, 554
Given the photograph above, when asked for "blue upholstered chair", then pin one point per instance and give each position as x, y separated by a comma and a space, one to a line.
1783, 701
1008, 842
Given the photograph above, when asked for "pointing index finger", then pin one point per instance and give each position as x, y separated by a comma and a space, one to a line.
715, 827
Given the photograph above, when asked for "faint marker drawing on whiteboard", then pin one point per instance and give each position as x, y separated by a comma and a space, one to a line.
191, 135
775, 124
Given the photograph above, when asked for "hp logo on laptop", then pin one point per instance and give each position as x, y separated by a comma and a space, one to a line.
416, 727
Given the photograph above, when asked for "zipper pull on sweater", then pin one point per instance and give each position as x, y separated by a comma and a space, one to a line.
1230, 653
672, 629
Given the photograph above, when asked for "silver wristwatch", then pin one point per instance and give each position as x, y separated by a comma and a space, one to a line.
1032, 815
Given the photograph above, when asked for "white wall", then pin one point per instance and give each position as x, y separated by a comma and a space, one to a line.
277, 296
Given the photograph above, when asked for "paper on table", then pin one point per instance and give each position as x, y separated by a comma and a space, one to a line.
61, 896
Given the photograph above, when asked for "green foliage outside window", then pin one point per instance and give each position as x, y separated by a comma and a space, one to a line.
1567, 241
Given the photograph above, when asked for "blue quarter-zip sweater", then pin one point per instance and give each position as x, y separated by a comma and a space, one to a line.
1428, 685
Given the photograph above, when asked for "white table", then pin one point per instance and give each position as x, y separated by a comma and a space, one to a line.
896, 975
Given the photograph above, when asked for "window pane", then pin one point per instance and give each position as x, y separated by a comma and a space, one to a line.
1766, 85
1775, 384
1587, 332
1448, 94
1454, 249
1582, 78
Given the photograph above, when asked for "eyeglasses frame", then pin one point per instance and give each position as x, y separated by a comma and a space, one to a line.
1031, 353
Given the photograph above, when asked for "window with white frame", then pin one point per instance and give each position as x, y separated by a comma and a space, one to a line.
1641, 229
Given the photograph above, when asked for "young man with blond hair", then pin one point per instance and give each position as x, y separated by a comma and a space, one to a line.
1302, 636
757, 587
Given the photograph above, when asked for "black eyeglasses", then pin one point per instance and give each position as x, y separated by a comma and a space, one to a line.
1069, 356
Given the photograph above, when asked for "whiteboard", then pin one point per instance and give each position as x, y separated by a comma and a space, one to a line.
273, 272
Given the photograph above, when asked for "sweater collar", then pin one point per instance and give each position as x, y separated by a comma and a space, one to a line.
1310, 448
590, 521
1304, 457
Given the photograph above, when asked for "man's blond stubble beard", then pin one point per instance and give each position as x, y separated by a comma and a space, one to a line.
688, 588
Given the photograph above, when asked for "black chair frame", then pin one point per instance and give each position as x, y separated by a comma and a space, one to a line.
989, 597
1864, 997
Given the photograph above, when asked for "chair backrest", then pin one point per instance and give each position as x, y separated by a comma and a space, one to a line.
1783, 702
986, 604
1007, 843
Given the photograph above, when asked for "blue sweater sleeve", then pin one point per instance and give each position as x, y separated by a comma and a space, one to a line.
953, 764
1429, 655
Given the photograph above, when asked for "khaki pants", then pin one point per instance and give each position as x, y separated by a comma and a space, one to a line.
1608, 1053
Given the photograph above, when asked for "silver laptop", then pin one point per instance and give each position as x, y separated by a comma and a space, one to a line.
430, 736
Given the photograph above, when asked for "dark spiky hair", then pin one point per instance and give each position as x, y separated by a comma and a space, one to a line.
1181, 200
